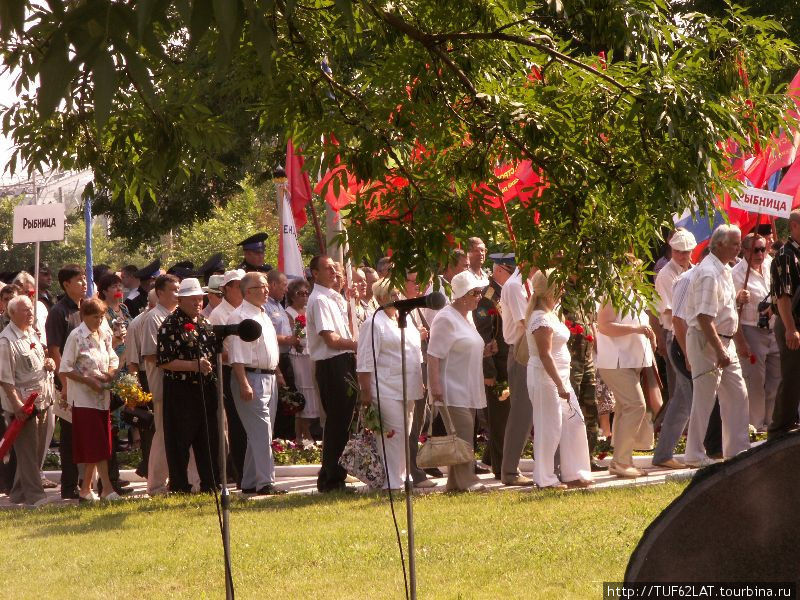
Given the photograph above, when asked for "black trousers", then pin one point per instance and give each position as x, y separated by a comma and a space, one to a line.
339, 401
784, 415
69, 470
497, 413
237, 436
190, 421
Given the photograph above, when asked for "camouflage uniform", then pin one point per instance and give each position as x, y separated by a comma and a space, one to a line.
489, 323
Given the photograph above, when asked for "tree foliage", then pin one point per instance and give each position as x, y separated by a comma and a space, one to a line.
437, 94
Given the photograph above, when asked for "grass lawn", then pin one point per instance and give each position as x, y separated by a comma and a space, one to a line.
499, 545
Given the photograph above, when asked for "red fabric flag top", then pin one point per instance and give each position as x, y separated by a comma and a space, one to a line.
299, 186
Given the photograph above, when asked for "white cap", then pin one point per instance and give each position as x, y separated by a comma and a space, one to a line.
214, 284
235, 275
190, 287
683, 240
464, 282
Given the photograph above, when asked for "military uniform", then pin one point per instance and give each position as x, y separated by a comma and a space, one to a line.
254, 243
137, 299
582, 373
489, 323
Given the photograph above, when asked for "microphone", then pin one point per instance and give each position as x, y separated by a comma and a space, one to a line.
433, 301
249, 330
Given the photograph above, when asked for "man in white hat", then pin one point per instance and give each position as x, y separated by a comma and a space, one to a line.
187, 353
214, 291
680, 388
237, 436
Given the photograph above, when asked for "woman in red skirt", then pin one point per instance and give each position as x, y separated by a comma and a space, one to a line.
89, 362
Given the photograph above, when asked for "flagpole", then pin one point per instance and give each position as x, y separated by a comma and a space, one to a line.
320, 240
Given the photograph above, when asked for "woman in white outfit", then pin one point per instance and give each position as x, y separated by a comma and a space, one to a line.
455, 369
384, 367
296, 299
557, 418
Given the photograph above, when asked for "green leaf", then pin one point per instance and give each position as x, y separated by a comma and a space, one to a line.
138, 72
12, 17
201, 19
55, 74
104, 77
346, 9
144, 14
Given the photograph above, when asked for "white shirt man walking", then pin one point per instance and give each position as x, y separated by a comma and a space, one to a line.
713, 322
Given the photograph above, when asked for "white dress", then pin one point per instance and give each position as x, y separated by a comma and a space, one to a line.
304, 376
556, 422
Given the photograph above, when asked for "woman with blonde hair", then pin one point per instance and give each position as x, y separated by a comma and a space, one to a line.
557, 418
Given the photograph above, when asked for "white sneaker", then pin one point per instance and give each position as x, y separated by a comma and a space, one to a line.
90, 497
703, 462
476, 487
112, 497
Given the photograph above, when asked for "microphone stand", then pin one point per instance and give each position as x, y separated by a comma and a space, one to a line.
225, 498
402, 315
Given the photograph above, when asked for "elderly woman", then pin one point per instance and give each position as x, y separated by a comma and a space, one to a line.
109, 290
381, 371
625, 343
24, 370
89, 363
455, 369
296, 299
557, 418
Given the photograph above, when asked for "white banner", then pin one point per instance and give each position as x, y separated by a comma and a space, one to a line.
764, 202
38, 223
291, 263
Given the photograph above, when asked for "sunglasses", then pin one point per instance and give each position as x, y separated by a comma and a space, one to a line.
301, 294
759, 250
475, 293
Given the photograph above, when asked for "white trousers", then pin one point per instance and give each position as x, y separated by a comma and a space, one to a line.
709, 383
762, 377
391, 412
557, 424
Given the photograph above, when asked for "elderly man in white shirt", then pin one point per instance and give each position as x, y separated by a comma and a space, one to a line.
254, 386
682, 244
755, 342
332, 348
713, 321
513, 304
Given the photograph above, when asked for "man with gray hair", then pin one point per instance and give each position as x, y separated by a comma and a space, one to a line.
713, 321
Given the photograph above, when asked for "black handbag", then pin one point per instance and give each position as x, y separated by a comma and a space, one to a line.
137, 417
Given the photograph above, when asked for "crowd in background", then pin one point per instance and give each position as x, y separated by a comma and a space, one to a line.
513, 354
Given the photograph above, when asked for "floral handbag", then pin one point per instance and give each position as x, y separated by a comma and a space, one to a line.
362, 459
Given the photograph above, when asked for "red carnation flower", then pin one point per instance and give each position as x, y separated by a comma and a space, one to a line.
492, 312
423, 438
753, 359
188, 327
118, 295
602, 455
589, 339
301, 319
33, 345
390, 434
578, 329
568, 323
31, 293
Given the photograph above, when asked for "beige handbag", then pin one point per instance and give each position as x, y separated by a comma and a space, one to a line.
446, 450
521, 351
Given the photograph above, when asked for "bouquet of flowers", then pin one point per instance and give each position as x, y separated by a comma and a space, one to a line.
372, 421
127, 387
577, 329
300, 326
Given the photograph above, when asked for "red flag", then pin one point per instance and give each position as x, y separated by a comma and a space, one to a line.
790, 184
298, 185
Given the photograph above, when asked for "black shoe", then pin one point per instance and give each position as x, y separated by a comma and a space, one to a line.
121, 483
123, 491
248, 490
497, 476
596, 466
481, 470
70, 494
270, 490
434, 472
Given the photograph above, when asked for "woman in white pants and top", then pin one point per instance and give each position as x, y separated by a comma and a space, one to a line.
455, 369
624, 348
557, 418
383, 369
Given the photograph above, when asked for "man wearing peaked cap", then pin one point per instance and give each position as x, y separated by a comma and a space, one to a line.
137, 299
215, 265
182, 269
253, 248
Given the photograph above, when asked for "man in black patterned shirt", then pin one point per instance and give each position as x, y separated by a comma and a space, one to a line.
187, 350
785, 273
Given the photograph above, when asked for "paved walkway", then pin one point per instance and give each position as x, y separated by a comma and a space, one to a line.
301, 479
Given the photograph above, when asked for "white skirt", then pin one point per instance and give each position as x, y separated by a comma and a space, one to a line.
304, 380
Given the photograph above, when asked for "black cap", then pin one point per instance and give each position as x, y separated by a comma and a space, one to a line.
764, 229
182, 269
214, 264
507, 260
149, 271
254, 242
8, 276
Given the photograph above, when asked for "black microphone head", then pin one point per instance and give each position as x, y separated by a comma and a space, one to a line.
435, 300
249, 330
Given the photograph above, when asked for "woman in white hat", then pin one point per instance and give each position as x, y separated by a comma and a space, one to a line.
383, 368
455, 369
557, 418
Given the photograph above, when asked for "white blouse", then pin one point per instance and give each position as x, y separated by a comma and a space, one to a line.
389, 363
459, 346
632, 351
89, 355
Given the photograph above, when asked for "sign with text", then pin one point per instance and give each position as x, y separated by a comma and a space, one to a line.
38, 223
765, 202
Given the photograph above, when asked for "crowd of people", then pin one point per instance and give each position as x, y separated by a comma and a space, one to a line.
512, 353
